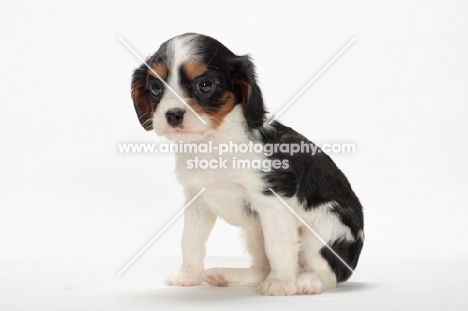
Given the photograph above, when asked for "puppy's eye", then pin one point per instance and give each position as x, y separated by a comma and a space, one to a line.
204, 86
156, 88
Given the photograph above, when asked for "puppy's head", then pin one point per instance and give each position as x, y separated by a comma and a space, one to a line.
194, 75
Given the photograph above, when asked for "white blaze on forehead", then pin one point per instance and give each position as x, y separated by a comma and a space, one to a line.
181, 50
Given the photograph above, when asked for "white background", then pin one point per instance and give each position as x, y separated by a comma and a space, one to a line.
398, 93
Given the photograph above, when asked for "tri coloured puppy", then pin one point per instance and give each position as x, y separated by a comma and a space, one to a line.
220, 87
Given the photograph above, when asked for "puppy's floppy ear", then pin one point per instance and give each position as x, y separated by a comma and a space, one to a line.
247, 91
141, 97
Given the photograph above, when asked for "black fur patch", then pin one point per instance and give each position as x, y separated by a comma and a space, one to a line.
248, 209
237, 71
348, 251
314, 179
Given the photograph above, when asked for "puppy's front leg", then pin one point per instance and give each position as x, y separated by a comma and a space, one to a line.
198, 223
281, 247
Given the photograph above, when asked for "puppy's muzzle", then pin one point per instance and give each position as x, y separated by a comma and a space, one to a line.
175, 116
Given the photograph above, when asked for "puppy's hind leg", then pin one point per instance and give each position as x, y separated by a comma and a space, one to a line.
316, 274
252, 276
317, 279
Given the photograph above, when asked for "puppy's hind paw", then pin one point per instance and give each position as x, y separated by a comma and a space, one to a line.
214, 277
308, 284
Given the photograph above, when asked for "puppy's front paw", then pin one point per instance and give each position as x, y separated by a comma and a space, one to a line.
274, 287
214, 277
183, 279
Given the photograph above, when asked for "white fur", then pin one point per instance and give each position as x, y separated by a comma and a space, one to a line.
286, 257
273, 237
193, 129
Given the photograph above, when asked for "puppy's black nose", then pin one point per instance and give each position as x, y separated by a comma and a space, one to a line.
175, 116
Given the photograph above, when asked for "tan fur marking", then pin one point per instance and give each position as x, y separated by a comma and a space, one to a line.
160, 69
218, 116
142, 106
193, 70
246, 91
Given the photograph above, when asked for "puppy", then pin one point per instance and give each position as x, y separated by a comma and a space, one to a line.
198, 91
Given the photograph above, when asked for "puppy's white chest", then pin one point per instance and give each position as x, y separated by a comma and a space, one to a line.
224, 195
203, 170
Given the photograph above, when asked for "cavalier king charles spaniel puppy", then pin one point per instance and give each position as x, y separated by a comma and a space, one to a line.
195, 90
